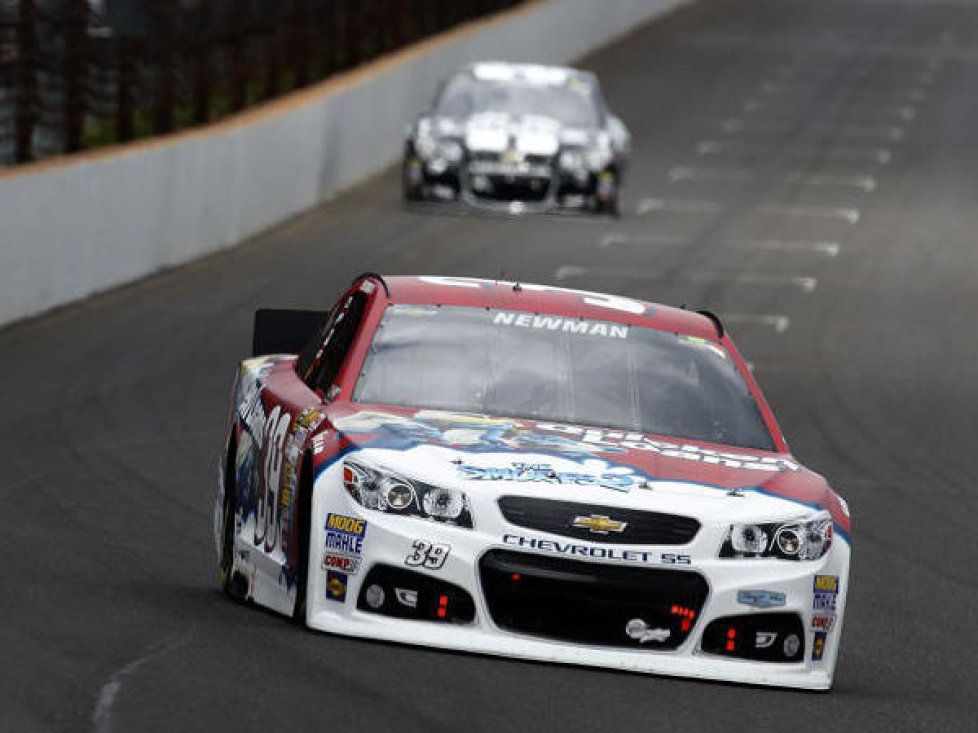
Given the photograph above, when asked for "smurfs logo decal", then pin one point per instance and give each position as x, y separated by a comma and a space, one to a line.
620, 478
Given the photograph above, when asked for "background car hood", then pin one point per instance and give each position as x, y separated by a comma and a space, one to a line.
473, 449
492, 132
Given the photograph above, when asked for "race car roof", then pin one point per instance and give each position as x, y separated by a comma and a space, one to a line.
529, 73
501, 294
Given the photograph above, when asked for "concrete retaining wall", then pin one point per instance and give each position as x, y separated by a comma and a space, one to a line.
72, 227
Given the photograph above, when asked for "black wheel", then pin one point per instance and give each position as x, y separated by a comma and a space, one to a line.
412, 184
304, 524
607, 194
235, 585
609, 208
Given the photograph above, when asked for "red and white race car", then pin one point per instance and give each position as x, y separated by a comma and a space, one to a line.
533, 472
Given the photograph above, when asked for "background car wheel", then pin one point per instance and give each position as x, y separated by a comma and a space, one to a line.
412, 183
607, 195
234, 584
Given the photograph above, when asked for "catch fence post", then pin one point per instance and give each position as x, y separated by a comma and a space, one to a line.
162, 34
239, 68
74, 23
25, 83
201, 50
124, 89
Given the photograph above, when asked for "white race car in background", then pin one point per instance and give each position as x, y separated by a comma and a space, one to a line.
518, 137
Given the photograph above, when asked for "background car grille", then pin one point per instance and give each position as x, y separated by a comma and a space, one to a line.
496, 157
591, 603
557, 517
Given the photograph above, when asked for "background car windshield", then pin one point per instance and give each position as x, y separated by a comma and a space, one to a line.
560, 369
465, 96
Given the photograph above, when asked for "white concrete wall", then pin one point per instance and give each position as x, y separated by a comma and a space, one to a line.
73, 227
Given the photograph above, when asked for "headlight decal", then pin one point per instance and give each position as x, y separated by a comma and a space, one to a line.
806, 539
385, 491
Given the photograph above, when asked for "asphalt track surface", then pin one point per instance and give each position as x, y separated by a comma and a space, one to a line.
806, 169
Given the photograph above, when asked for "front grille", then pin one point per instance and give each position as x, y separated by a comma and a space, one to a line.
558, 517
496, 157
590, 603
501, 188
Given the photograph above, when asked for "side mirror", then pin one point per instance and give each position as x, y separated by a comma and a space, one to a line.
279, 331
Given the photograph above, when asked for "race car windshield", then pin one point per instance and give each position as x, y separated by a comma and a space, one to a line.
570, 104
560, 369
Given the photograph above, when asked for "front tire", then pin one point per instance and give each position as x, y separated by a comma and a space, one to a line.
234, 584
304, 524
412, 179
607, 193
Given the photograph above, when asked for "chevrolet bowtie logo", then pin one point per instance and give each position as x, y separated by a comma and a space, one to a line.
512, 156
599, 524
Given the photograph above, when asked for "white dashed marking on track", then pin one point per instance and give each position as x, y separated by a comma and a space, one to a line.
863, 183
890, 132
616, 238
882, 156
678, 206
829, 249
850, 216
805, 283
733, 175
678, 174
779, 323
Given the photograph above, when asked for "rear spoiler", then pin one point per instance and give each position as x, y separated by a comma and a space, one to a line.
281, 331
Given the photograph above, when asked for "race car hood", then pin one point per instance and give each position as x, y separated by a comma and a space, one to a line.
525, 456
497, 132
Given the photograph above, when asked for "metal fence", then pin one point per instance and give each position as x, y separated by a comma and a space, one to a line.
76, 74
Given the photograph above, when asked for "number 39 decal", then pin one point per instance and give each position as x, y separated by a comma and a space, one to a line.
427, 555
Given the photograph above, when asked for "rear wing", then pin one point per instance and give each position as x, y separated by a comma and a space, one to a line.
281, 331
